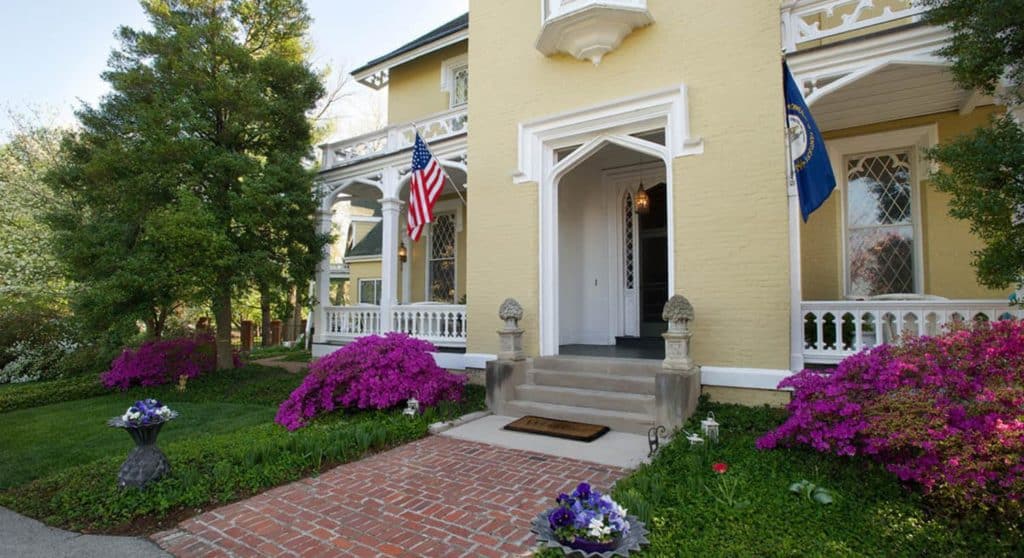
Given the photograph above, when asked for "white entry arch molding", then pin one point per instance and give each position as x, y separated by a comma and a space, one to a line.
614, 123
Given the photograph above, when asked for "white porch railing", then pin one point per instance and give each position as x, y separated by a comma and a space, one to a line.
813, 20
444, 325
345, 323
394, 138
835, 329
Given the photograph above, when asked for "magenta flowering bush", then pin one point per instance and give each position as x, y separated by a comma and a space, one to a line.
946, 413
163, 361
373, 372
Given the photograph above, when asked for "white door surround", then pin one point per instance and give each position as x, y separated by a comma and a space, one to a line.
592, 129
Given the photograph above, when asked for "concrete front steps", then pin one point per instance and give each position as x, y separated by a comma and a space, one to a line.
613, 392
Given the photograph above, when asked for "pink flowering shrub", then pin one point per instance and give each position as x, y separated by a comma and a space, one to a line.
373, 372
946, 413
163, 361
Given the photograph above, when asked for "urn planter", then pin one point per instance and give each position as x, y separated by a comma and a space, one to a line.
146, 463
632, 541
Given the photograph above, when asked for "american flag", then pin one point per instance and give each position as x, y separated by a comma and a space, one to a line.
424, 187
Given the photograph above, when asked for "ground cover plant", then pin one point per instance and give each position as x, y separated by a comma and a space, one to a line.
223, 446
290, 354
373, 372
871, 513
945, 413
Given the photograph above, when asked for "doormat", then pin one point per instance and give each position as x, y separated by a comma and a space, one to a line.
579, 431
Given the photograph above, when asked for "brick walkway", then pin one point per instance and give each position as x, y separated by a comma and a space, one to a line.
435, 497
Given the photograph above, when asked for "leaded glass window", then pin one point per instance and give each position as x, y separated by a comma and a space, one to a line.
460, 91
880, 224
627, 242
441, 263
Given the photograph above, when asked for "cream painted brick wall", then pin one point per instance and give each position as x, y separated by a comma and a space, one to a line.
731, 238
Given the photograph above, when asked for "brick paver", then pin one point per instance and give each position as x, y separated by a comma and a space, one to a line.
434, 497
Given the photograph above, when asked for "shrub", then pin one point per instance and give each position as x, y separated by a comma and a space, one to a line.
946, 413
34, 341
162, 361
373, 372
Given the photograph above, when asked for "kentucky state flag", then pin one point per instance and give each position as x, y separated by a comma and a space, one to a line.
814, 177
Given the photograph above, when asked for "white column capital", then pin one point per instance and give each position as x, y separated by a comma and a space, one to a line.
391, 205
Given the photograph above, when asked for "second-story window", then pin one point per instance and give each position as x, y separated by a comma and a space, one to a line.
460, 91
455, 80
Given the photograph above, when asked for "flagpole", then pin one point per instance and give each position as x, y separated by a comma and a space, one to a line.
416, 130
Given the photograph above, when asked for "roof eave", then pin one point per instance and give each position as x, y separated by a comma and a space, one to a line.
376, 75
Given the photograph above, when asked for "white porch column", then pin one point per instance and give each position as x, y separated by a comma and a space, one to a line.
323, 277
796, 320
407, 271
390, 208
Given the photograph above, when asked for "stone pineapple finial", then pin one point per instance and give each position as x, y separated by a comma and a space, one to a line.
511, 312
678, 312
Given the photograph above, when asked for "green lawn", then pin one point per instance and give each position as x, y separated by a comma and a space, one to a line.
873, 515
59, 461
42, 440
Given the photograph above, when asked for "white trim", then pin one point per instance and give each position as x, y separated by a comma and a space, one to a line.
753, 378
448, 70
662, 109
916, 140
376, 76
367, 258
364, 219
462, 361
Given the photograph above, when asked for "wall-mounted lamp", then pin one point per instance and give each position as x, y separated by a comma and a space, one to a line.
642, 200
402, 253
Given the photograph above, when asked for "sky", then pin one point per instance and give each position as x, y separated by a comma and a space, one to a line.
53, 51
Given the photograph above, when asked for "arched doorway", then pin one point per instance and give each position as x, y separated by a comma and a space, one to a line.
613, 253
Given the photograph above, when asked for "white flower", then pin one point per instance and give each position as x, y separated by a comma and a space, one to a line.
598, 530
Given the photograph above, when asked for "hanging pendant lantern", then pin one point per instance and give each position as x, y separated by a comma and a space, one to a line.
642, 200
709, 427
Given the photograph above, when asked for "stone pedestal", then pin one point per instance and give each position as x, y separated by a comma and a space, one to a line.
502, 377
504, 374
677, 387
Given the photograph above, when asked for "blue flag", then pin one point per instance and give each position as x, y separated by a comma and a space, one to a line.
814, 177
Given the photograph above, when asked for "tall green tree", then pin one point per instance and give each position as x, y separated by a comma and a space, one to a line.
200, 144
984, 171
29, 273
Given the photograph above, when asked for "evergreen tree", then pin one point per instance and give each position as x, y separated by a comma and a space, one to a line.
191, 171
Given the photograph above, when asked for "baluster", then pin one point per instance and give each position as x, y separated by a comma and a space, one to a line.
819, 327
838, 326
858, 330
879, 327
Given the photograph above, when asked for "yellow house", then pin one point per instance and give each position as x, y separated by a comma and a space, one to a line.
623, 151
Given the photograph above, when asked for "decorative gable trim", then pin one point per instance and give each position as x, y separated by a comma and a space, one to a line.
665, 108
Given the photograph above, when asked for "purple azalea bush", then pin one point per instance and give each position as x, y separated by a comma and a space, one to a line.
373, 372
945, 413
589, 515
163, 361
